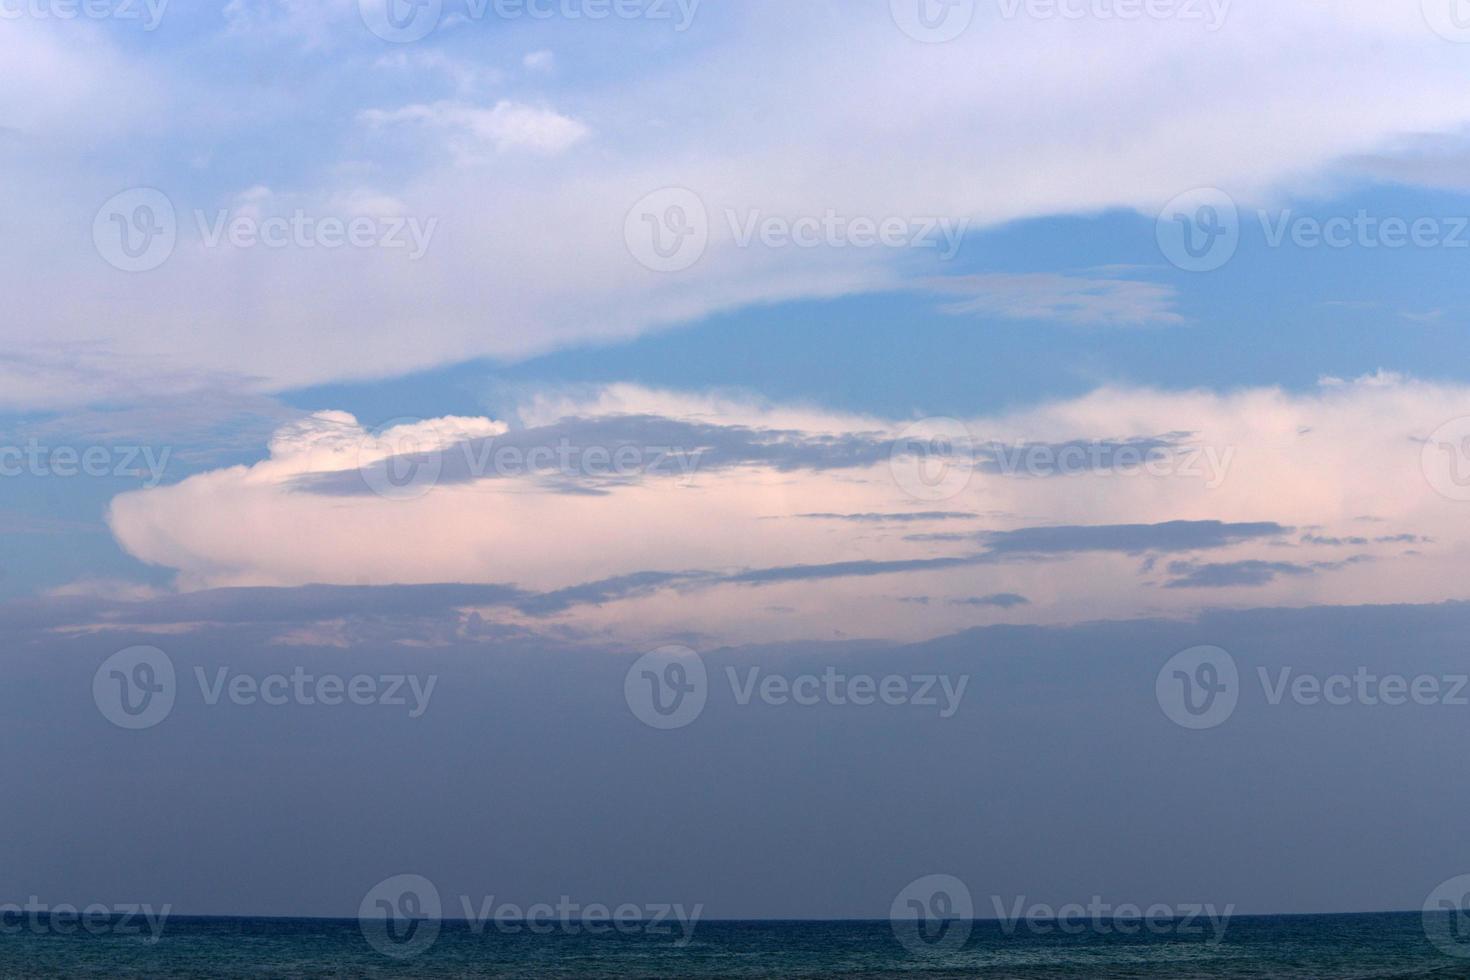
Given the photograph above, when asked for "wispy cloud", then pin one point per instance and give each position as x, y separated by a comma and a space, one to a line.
1001, 600
1129, 539
1083, 300
895, 518
914, 133
1236, 573
472, 130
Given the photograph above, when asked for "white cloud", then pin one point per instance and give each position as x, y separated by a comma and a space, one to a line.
67, 85
1320, 463
467, 76
542, 60
505, 126
1013, 119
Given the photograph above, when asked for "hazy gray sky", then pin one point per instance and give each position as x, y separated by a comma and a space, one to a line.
529, 775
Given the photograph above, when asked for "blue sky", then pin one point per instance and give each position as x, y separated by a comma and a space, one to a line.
1276, 316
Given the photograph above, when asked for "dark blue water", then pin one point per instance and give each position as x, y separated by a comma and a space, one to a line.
1379, 946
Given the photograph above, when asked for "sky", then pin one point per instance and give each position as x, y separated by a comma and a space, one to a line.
515, 342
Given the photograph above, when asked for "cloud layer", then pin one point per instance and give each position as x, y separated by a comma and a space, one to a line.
642, 511
531, 176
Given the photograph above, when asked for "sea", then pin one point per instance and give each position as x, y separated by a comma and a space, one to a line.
1397, 945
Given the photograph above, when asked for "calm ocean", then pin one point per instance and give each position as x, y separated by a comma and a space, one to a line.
1380, 945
